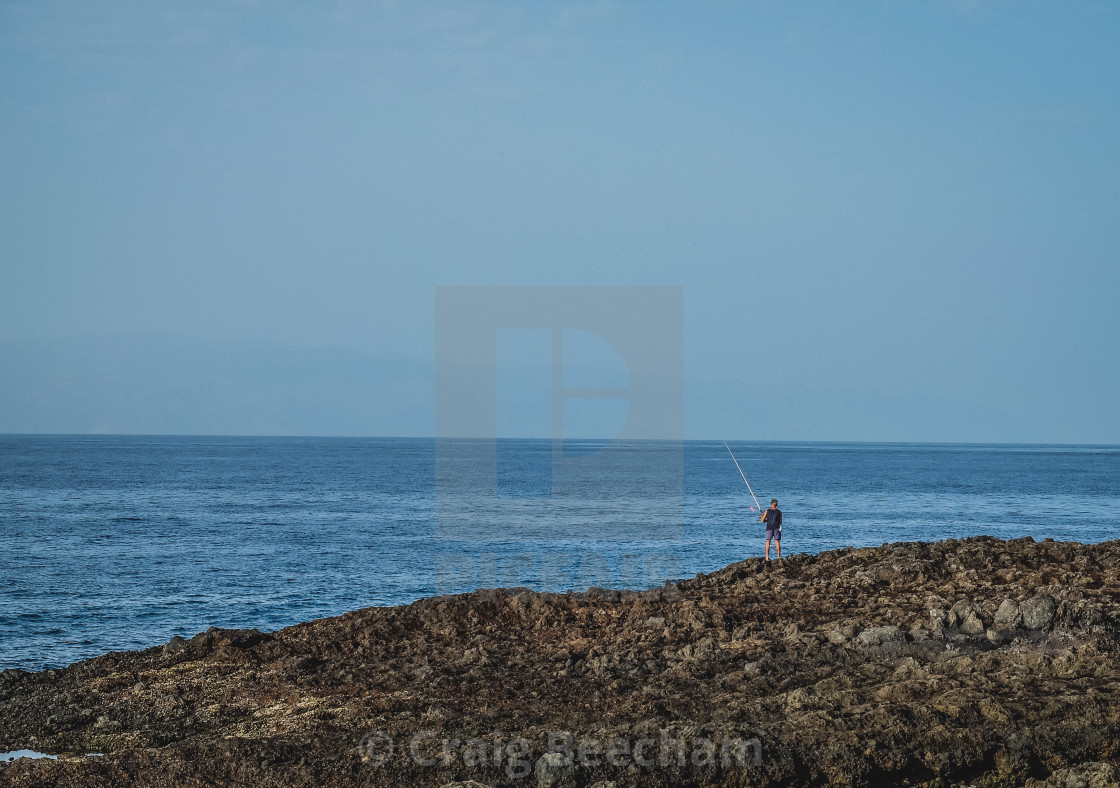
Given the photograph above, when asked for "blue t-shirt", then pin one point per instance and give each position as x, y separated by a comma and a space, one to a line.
772, 518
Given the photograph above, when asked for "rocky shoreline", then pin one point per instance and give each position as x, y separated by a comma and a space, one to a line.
976, 662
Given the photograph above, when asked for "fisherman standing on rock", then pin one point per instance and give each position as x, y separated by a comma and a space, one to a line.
772, 516
773, 519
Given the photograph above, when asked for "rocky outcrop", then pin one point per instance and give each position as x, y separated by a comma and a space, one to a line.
977, 662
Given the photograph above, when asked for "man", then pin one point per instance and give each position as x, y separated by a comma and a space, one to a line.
773, 519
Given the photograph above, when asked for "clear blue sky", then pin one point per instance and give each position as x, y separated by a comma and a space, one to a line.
919, 199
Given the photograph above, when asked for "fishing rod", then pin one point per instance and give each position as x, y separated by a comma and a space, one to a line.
756, 503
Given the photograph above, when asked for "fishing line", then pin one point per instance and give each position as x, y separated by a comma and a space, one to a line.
756, 503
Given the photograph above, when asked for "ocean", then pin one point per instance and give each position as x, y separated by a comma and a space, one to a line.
110, 543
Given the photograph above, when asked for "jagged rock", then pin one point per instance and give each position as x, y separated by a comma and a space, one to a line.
1038, 612
799, 698
1008, 615
973, 624
918, 632
555, 770
1081, 614
805, 659
1085, 775
909, 668
938, 619
877, 636
959, 612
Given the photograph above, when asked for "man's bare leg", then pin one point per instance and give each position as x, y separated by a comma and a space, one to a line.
777, 544
768, 550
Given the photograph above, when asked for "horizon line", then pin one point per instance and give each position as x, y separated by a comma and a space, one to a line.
548, 439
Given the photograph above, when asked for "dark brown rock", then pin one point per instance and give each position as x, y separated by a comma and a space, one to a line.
808, 661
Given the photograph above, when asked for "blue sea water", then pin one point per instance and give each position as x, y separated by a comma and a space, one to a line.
112, 542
